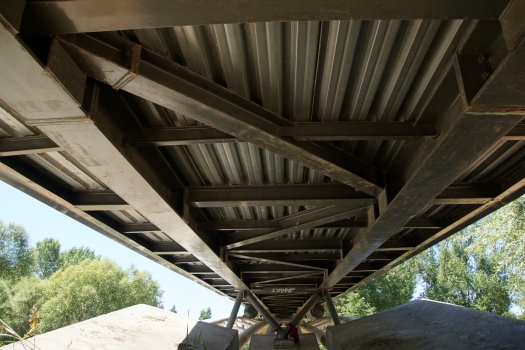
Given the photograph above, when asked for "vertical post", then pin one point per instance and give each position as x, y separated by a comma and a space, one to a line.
306, 307
235, 310
267, 317
331, 307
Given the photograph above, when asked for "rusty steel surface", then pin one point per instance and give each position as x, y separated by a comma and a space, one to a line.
283, 155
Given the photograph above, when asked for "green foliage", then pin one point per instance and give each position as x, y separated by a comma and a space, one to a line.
16, 257
394, 288
93, 288
173, 309
20, 301
482, 266
75, 256
205, 314
47, 257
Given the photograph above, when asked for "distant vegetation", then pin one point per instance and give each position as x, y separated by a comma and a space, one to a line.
43, 288
205, 314
482, 267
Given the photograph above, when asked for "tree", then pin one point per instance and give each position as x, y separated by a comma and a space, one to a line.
389, 290
16, 257
93, 288
75, 256
173, 309
20, 301
205, 314
47, 257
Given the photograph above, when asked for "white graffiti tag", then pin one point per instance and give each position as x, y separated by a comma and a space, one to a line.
282, 290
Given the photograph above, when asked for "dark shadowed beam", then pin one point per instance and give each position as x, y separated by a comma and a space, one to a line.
301, 195
81, 136
246, 225
205, 197
54, 17
355, 131
338, 131
468, 194
190, 135
175, 87
15, 146
99, 200
138, 228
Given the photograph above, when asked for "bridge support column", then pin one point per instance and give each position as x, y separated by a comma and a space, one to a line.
267, 317
331, 307
306, 307
235, 310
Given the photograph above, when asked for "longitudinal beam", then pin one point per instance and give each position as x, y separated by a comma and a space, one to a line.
301, 195
320, 194
88, 138
190, 135
467, 133
247, 225
15, 146
175, 87
55, 16
355, 131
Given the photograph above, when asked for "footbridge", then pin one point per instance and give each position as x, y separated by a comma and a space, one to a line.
279, 153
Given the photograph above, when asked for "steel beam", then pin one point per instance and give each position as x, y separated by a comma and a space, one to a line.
299, 195
292, 246
255, 302
92, 138
465, 137
190, 135
175, 87
356, 131
54, 17
337, 131
247, 225
99, 200
513, 188
331, 308
307, 219
235, 309
138, 228
304, 309
15, 146
322, 194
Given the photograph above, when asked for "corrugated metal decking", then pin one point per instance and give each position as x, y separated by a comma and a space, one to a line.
274, 156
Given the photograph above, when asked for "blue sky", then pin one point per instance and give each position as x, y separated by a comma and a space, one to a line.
42, 221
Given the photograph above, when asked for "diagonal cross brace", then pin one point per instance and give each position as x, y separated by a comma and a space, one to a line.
175, 87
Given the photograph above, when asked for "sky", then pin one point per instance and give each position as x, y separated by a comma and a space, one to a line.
42, 221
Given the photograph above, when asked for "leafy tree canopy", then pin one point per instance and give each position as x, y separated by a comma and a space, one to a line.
47, 257
387, 291
75, 256
16, 258
205, 314
173, 309
93, 288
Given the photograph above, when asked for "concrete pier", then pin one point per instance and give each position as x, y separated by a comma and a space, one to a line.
426, 324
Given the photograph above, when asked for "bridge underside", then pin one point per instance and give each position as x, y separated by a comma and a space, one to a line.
276, 147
